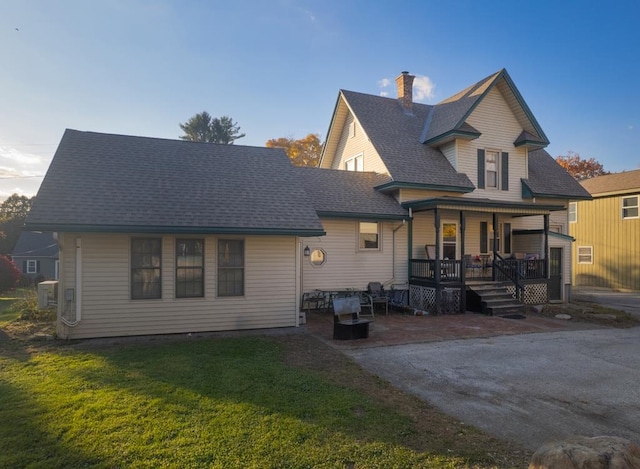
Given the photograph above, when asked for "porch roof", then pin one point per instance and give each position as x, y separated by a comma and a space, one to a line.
480, 205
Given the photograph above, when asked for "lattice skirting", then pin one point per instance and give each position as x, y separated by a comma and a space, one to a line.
424, 299
534, 293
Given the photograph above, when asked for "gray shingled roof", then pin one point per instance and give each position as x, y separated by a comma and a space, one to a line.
343, 193
618, 182
35, 244
548, 178
105, 182
396, 137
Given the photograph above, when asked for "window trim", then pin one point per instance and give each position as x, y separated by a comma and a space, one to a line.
133, 268
498, 156
185, 268
220, 268
590, 255
636, 206
573, 219
355, 159
378, 237
32, 266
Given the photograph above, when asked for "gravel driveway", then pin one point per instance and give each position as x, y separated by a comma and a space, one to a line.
528, 388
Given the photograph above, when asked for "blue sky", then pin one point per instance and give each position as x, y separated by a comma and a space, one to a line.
140, 67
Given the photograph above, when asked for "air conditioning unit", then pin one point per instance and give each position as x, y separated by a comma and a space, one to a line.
47, 294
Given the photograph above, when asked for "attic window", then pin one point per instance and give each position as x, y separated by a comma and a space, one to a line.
355, 164
352, 130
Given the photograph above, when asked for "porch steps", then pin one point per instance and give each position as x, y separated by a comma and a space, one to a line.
492, 298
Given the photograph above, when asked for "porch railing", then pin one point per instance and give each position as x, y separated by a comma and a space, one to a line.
451, 271
528, 269
425, 269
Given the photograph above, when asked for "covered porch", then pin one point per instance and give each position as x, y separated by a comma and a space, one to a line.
468, 241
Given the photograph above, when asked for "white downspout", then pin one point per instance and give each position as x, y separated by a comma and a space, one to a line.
75, 294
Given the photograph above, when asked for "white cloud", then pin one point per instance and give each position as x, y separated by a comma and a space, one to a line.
384, 83
423, 88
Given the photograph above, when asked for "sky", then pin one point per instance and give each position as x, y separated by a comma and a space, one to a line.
141, 67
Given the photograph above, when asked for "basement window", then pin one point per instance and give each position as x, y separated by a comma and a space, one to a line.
585, 254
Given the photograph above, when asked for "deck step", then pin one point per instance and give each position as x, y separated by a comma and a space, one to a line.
493, 298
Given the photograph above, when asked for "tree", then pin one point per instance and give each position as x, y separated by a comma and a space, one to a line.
9, 274
302, 152
579, 168
204, 128
13, 212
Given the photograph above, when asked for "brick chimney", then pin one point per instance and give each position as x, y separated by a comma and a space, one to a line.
405, 90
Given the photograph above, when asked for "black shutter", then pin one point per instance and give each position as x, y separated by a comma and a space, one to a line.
505, 171
480, 169
24, 267
484, 234
507, 238
37, 267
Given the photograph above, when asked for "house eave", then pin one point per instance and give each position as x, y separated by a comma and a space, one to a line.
81, 228
394, 185
527, 193
450, 136
531, 144
362, 216
481, 205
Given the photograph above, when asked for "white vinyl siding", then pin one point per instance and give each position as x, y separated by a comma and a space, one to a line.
359, 144
449, 150
347, 267
270, 298
499, 128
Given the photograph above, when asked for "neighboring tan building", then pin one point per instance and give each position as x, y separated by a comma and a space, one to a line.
607, 232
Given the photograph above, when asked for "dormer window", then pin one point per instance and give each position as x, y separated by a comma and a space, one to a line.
355, 163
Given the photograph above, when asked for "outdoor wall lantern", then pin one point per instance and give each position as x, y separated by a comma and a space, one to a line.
307, 251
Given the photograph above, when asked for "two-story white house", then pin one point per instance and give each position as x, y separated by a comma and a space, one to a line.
164, 236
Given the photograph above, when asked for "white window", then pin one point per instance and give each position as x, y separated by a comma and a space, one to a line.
630, 207
573, 212
352, 130
355, 163
230, 267
491, 168
368, 236
32, 267
585, 254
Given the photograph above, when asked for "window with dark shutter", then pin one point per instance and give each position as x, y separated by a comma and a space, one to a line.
480, 169
505, 171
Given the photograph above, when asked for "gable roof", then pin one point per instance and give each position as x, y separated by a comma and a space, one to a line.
449, 116
394, 134
35, 244
617, 183
352, 194
548, 179
118, 183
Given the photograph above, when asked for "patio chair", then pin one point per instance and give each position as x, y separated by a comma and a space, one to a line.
378, 295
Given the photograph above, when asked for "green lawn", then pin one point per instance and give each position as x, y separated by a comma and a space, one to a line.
253, 402
8, 314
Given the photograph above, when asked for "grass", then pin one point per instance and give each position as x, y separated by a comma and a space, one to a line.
287, 402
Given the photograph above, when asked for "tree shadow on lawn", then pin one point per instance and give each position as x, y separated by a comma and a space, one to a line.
291, 381
24, 439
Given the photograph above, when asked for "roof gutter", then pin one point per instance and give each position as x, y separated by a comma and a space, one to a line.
81, 228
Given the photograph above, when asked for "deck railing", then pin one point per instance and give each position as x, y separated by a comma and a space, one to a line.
452, 270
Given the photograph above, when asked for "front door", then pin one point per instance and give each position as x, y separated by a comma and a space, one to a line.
555, 274
449, 240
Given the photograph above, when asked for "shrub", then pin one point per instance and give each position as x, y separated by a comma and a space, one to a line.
9, 274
